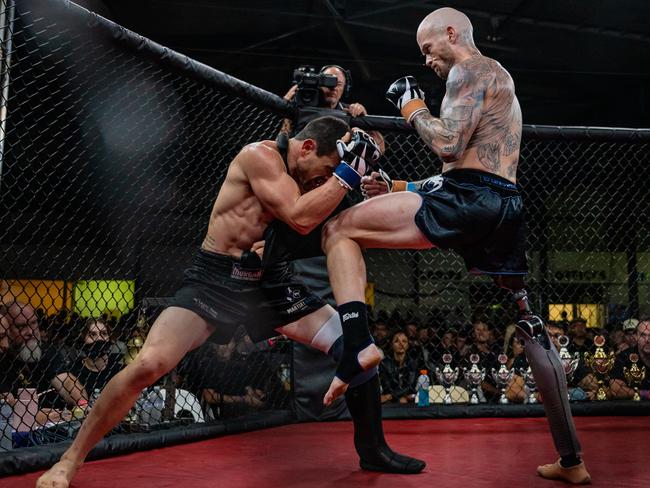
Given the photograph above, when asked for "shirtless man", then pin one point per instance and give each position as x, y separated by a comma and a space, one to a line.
473, 207
226, 284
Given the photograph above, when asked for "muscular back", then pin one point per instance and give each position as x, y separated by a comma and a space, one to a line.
495, 143
480, 120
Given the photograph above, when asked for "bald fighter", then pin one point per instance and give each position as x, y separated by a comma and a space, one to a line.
473, 207
227, 284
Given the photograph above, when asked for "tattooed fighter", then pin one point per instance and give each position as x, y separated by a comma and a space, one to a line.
474, 207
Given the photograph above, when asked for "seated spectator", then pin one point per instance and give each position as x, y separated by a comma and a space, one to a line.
381, 335
411, 331
64, 340
39, 367
447, 345
227, 383
580, 341
97, 365
398, 373
619, 387
424, 351
629, 329
461, 344
6, 382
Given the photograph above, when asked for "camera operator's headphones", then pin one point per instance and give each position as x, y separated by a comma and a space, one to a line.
348, 79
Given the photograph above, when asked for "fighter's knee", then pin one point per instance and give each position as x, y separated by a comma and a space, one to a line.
148, 367
332, 231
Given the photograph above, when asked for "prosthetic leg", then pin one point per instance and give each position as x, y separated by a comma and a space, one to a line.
550, 379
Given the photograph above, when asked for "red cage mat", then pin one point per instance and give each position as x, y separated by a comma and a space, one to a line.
458, 452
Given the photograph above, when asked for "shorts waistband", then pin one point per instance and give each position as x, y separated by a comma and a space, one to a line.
481, 178
245, 268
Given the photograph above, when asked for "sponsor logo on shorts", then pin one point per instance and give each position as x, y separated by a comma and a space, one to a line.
301, 305
350, 315
245, 275
432, 184
205, 307
293, 294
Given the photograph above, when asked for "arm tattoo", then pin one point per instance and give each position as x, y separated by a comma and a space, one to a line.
459, 112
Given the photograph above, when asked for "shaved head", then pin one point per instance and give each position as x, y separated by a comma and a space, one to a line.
438, 21
445, 37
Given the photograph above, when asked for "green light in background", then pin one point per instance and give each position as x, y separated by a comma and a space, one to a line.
95, 297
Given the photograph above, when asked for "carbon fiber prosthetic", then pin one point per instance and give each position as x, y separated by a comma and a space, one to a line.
547, 369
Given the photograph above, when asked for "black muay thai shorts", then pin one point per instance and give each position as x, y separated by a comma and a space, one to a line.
480, 216
228, 292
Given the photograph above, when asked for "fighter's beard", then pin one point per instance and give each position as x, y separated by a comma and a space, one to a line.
31, 351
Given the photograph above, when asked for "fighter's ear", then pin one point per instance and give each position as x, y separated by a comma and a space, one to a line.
308, 145
452, 35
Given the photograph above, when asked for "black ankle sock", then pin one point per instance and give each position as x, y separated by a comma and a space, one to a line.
354, 320
570, 461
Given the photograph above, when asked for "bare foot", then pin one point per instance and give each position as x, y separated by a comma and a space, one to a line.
58, 476
368, 358
576, 475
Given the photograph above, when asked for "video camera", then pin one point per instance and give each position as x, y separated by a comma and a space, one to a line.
309, 81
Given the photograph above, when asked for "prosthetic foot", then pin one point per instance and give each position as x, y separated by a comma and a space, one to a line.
576, 475
374, 454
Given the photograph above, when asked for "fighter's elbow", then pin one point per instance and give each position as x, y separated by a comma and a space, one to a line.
450, 154
302, 227
450, 148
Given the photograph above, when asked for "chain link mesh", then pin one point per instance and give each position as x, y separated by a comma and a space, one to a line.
587, 215
111, 164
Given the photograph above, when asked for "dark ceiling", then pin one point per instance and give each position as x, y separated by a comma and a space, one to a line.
574, 62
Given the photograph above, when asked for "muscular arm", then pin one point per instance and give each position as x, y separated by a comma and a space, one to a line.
460, 111
279, 193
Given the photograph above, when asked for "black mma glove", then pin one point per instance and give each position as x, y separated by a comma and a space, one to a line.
407, 96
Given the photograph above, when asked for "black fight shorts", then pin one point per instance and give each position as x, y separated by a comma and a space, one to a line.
480, 216
228, 294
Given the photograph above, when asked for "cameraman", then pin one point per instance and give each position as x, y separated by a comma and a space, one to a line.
330, 97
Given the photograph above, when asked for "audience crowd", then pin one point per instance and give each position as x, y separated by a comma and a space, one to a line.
67, 360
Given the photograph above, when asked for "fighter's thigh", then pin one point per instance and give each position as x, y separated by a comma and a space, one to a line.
175, 332
319, 329
386, 221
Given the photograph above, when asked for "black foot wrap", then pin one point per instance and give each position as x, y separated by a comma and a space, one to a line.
364, 405
349, 366
356, 337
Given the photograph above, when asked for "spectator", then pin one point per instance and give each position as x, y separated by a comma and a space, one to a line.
64, 339
488, 354
629, 328
398, 373
580, 342
425, 349
381, 335
35, 366
227, 383
461, 345
411, 331
618, 384
6, 382
97, 365
481, 345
